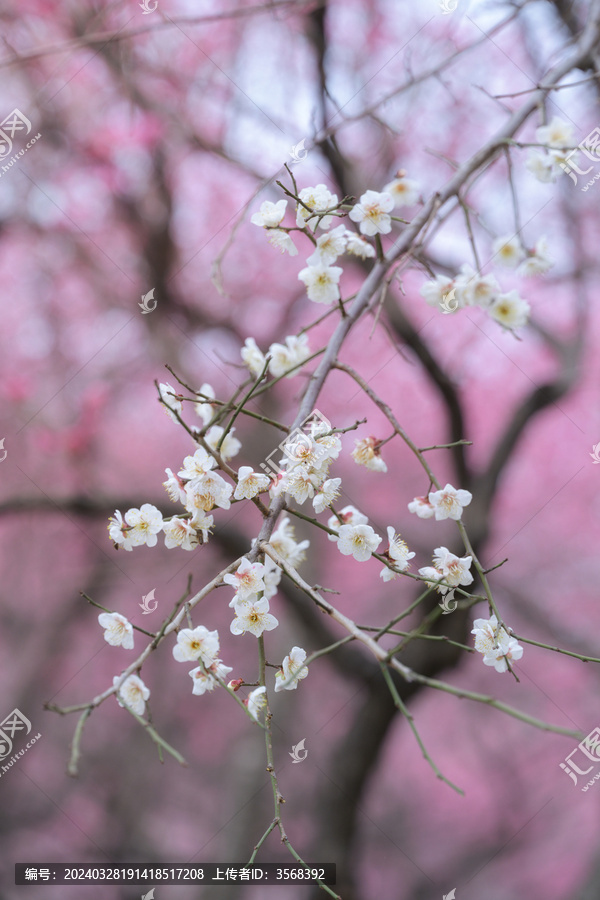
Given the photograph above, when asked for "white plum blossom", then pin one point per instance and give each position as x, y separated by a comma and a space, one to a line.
175, 487
451, 569
495, 644
473, 289
366, 453
256, 701
250, 483
197, 466
118, 630
132, 693
272, 577
207, 492
170, 397
543, 166
291, 670
120, 532
284, 543
433, 292
359, 541
538, 261
282, 242
398, 550
252, 357
557, 134
329, 247
456, 569
230, 446
349, 516
326, 494
180, 533
321, 282
372, 213
510, 310
197, 643
204, 409
448, 503
300, 482
203, 523
270, 215
145, 523
247, 579
253, 616
405, 191
508, 251
318, 199
357, 246
205, 679
421, 507
284, 357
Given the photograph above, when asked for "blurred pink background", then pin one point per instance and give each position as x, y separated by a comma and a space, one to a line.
161, 134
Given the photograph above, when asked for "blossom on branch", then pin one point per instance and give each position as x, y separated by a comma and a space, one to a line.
270, 215
252, 357
256, 701
197, 643
284, 357
132, 693
372, 213
253, 615
359, 541
366, 453
404, 191
205, 678
318, 199
421, 507
180, 533
510, 310
495, 644
292, 670
171, 401
329, 247
119, 631
204, 409
321, 282
230, 446
508, 251
248, 579
250, 483
449, 503
326, 494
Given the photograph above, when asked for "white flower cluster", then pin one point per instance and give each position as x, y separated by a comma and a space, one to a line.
447, 503
558, 138
495, 644
305, 464
353, 535
283, 357
452, 570
316, 209
471, 288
